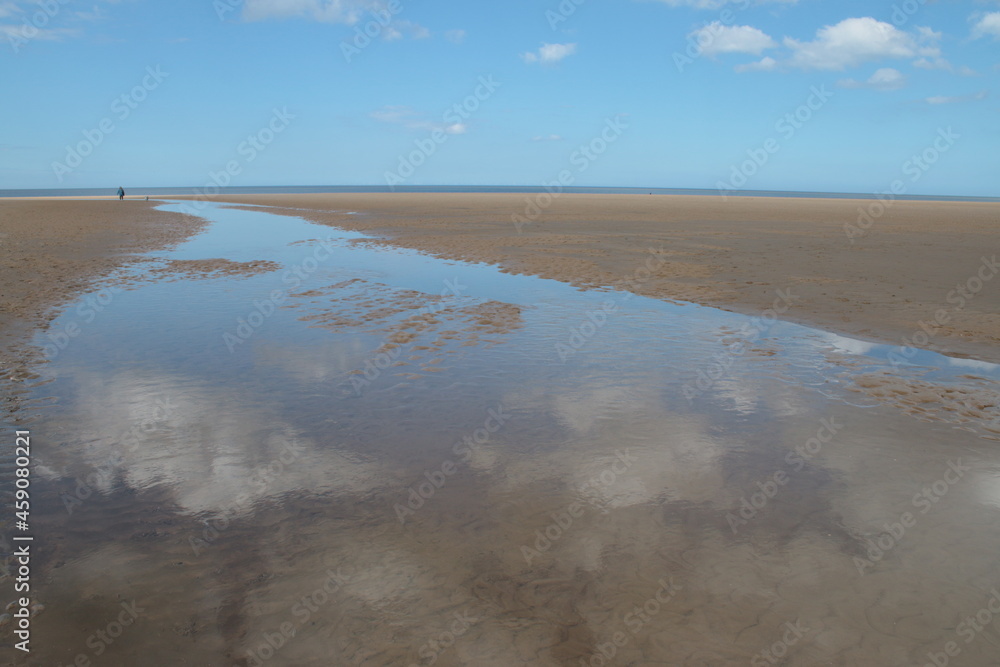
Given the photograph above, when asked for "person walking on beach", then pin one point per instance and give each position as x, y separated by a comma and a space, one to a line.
121, 193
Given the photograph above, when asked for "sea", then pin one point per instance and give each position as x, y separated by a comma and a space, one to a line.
319, 189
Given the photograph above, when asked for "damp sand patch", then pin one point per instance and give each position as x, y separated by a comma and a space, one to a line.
426, 324
207, 269
973, 405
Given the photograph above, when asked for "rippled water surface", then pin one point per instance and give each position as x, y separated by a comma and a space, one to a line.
373, 457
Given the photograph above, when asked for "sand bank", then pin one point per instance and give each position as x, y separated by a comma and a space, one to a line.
55, 248
878, 280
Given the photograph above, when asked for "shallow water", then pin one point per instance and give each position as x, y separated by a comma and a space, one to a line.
389, 467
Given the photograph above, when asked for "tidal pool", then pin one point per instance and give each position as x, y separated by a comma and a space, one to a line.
361, 455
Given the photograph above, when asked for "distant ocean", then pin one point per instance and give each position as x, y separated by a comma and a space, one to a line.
302, 189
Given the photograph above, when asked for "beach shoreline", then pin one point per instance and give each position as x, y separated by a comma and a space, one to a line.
57, 249
907, 277
908, 273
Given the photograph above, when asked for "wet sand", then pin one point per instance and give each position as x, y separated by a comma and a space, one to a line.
873, 280
878, 283
55, 248
254, 507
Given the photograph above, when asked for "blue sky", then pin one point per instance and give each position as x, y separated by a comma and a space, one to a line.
819, 95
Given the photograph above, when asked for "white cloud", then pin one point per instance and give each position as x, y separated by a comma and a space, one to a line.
855, 41
883, 79
988, 24
765, 64
348, 12
332, 11
933, 63
394, 31
329, 11
455, 36
30, 21
717, 38
943, 64
411, 120
17, 33
549, 53
942, 99
392, 113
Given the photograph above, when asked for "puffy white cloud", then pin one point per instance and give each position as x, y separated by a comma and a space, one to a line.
855, 41
886, 78
987, 25
717, 38
550, 53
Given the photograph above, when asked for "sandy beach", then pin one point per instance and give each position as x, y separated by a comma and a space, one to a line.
877, 283
55, 248
285, 427
876, 280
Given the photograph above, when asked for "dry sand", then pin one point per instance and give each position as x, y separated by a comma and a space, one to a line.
733, 253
